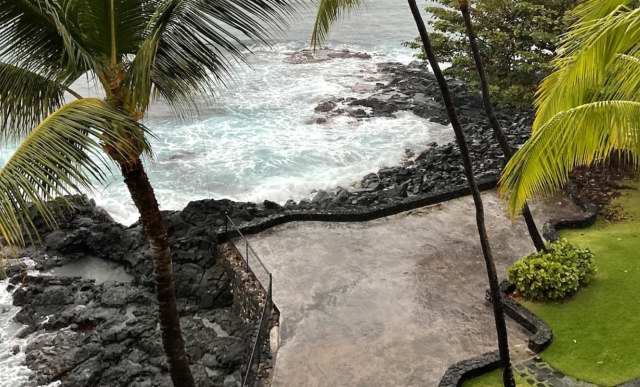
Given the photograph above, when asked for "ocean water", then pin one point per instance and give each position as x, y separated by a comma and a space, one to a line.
12, 367
255, 140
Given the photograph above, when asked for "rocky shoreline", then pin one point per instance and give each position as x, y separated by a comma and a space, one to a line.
437, 169
93, 333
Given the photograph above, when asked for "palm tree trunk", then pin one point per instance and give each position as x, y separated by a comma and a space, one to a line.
501, 326
144, 198
538, 242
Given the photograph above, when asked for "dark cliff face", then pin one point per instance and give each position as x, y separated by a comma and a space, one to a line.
86, 230
89, 334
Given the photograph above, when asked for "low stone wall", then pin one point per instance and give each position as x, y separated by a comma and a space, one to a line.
540, 336
551, 228
462, 371
540, 333
361, 215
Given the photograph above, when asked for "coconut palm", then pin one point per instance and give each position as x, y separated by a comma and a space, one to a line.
588, 108
329, 11
137, 51
537, 240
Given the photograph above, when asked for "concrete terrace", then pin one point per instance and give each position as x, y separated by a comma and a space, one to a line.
392, 302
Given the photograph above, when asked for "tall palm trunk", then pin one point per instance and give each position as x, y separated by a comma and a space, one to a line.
144, 198
538, 242
501, 326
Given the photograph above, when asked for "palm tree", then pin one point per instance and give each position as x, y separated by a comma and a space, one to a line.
137, 50
329, 11
589, 108
538, 242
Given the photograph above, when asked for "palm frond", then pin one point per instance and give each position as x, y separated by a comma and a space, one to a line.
623, 82
330, 11
597, 9
35, 37
26, 98
62, 155
576, 137
191, 46
586, 56
113, 28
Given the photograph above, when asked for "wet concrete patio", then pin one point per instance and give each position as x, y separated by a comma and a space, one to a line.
392, 302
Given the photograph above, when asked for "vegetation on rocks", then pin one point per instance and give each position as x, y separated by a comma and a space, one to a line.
553, 274
517, 40
7, 253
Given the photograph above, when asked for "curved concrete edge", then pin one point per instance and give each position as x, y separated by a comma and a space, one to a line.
462, 371
364, 215
551, 228
540, 334
540, 337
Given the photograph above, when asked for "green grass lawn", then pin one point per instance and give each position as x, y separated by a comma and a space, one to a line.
597, 332
493, 379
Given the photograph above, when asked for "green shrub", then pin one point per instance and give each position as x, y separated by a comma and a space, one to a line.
553, 274
517, 40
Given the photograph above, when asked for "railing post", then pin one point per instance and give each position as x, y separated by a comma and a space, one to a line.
246, 247
250, 373
270, 291
226, 223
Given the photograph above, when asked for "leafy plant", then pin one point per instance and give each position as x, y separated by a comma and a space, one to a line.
554, 274
517, 39
588, 109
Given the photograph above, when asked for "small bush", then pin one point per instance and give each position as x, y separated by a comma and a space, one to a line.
553, 274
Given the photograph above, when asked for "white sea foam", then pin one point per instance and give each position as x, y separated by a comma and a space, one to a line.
12, 368
255, 142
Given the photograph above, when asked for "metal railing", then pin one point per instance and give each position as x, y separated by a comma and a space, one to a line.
253, 264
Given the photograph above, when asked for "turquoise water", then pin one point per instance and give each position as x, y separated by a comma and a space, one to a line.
255, 142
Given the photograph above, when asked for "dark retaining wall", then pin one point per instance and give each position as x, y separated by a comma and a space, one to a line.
363, 215
470, 368
249, 297
540, 334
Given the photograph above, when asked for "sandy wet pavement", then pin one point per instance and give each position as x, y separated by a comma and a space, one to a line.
392, 302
